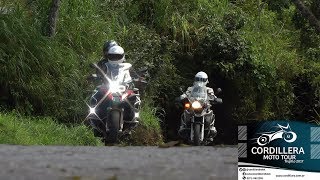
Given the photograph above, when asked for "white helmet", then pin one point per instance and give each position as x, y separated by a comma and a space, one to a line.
115, 55
201, 78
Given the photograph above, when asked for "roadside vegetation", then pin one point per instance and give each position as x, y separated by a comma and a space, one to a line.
17, 129
264, 55
149, 130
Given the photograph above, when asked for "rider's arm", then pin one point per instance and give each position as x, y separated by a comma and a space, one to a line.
187, 93
102, 66
211, 93
127, 78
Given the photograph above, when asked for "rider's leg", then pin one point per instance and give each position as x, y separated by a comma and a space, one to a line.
184, 125
131, 109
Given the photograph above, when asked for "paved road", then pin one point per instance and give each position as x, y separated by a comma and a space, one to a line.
114, 163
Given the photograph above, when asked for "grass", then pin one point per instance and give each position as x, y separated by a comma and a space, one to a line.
148, 117
22, 130
16, 129
149, 131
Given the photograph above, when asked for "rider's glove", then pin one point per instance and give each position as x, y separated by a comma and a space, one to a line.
183, 96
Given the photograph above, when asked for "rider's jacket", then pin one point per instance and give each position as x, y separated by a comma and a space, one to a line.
116, 71
210, 92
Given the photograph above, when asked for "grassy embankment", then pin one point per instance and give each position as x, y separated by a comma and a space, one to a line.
16, 129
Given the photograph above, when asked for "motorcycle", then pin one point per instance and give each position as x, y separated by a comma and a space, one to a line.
113, 108
198, 117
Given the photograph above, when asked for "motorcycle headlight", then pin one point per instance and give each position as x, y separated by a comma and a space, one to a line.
196, 105
113, 87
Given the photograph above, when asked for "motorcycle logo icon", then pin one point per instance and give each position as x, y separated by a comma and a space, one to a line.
284, 132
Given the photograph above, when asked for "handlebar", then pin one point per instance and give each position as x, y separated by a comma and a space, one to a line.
217, 101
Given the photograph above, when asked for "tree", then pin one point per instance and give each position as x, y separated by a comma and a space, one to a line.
306, 13
53, 16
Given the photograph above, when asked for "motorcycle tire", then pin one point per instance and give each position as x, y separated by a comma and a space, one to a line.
196, 134
113, 126
263, 140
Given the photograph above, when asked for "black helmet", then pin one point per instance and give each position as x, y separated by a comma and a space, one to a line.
107, 45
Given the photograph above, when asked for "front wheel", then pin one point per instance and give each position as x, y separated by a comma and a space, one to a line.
113, 124
196, 134
289, 136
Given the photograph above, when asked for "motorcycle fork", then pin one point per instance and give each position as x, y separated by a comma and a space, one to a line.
191, 133
202, 128
121, 119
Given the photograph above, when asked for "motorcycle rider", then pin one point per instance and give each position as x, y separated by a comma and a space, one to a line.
112, 67
201, 79
105, 62
101, 63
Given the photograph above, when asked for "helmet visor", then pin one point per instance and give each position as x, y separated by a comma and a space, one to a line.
115, 57
198, 79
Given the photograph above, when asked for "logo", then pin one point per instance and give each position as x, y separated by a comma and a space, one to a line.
281, 152
283, 132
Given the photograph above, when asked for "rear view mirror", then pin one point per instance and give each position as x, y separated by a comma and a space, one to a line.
218, 91
218, 100
143, 69
92, 77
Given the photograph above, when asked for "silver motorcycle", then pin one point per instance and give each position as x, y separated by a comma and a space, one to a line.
197, 117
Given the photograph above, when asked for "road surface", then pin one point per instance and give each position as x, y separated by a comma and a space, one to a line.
116, 163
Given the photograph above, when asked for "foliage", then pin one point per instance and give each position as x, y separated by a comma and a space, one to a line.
148, 132
307, 83
264, 54
46, 76
35, 72
17, 129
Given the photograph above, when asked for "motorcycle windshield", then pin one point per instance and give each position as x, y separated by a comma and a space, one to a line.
199, 93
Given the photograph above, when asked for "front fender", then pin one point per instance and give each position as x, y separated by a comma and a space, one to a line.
109, 110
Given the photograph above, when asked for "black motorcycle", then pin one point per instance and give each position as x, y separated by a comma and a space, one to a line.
113, 109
